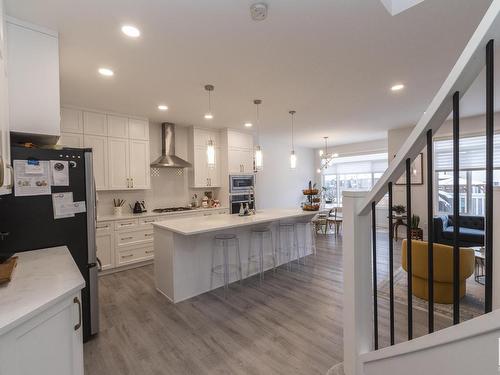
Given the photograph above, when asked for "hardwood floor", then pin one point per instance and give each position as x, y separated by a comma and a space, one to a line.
291, 324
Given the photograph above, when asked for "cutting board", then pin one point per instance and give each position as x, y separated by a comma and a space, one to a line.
7, 269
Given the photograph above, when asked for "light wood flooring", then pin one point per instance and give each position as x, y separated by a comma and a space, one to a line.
291, 324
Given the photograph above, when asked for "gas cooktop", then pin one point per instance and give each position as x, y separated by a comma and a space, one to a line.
172, 209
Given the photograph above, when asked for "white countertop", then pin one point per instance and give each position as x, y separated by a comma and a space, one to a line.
130, 215
41, 279
197, 225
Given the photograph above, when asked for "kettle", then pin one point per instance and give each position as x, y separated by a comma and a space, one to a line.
139, 207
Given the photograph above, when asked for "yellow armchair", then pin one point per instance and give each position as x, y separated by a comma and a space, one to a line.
443, 270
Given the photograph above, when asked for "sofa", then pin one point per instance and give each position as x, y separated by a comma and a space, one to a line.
471, 231
443, 270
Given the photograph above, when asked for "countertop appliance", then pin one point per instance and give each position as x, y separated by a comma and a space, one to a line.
172, 209
139, 207
30, 223
239, 184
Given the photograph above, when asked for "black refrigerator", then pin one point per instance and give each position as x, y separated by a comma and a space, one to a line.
28, 222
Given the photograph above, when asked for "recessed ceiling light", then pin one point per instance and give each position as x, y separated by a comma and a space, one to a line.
209, 116
131, 31
162, 107
106, 72
248, 124
398, 87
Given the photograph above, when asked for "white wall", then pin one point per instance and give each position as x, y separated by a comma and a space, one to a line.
278, 186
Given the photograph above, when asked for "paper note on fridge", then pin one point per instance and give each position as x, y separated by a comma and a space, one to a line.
60, 172
63, 205
31, 177
79, 207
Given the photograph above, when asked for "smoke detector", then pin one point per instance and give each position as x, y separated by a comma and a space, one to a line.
258, 11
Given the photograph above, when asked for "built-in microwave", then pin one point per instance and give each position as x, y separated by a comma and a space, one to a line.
241, 183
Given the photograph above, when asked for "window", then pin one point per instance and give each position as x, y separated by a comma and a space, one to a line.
352, 172
472, 176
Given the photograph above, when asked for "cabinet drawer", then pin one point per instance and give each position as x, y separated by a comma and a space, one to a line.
126, 224
132, 238
145, 223
103, 228
134, 255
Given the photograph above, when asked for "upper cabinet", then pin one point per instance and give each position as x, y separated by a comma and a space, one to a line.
5, 167
33, 70
201, 175
240, 152
120, 147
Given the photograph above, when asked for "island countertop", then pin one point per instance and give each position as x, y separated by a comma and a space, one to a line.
41, 279
198, 225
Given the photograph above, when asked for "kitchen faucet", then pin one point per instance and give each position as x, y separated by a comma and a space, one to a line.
252, 199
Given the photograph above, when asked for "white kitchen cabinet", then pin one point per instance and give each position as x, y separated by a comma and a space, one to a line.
239, 140
99, 146
95, 123
118, 163
139, 164
105, 246
48, 343
138, 129
33, 69
5, 175
71, 121
240, 161
71, 140
118, 126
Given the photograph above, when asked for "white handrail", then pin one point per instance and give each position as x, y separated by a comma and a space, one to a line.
467, 68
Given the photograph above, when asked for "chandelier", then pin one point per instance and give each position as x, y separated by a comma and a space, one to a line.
326, 157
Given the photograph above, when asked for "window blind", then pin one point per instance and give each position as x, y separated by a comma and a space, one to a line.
472, 153
373, 163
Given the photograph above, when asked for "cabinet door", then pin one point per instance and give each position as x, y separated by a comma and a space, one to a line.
99, 146
71, 140
247, 160
95, 123
139, 164
71, 120
138, 129
105, 250
200, 167
240, 140
117, 126
118, 156
234, 161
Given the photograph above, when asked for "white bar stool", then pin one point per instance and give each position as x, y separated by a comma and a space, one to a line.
286, 233
261, 235
303, 246
226, 266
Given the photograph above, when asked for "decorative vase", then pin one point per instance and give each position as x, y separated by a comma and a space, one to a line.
417, 234
117, 211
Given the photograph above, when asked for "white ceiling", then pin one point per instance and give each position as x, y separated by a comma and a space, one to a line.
333, 61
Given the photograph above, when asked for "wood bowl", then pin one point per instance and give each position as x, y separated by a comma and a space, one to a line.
310, 191
308, 207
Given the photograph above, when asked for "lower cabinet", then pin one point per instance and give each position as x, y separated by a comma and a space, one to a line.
49, 343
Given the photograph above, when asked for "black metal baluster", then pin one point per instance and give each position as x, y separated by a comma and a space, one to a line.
408, 249
374, 263
488, 304
430, 237
456, 207
391, 265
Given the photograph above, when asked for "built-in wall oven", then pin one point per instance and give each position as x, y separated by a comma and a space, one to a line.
239, 184
236, 200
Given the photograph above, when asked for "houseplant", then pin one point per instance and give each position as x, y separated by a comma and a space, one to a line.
399, 209
416, 232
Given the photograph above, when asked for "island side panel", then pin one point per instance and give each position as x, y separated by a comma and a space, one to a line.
163, 262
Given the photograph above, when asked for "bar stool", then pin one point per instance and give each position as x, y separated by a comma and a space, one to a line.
286, 232
261, 234
301, 239
226, 267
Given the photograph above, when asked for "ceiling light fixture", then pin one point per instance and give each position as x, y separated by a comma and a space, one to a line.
131, 31
259, 158
162, 107
293, 157
211, 154
248, 124
326, 157
106, 72
398, 87
209, 115
258, 11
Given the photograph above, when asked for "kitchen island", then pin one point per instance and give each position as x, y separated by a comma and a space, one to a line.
183, 248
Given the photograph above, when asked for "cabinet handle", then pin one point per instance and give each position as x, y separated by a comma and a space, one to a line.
127, 256
149, 221
77, 301
11, 185
102, 227
148, 234
127, 238
126, 224
149, 251
132, 180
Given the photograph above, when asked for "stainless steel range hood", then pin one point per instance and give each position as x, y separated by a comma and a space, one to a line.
168, 159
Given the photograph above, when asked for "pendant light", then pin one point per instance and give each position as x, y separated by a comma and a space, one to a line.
293, 157
209, 115
258, 150
210, 154
326, 157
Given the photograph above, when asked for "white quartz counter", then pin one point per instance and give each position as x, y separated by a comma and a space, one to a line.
198, 225
41, 279
126, 216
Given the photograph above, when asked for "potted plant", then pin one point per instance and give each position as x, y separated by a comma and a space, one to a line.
416, 232
398, 209
327, 195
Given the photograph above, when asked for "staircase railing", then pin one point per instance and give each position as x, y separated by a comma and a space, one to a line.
361, 320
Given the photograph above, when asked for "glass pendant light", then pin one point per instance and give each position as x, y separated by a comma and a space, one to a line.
210, 154
293, 157
259, 162
209, 115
